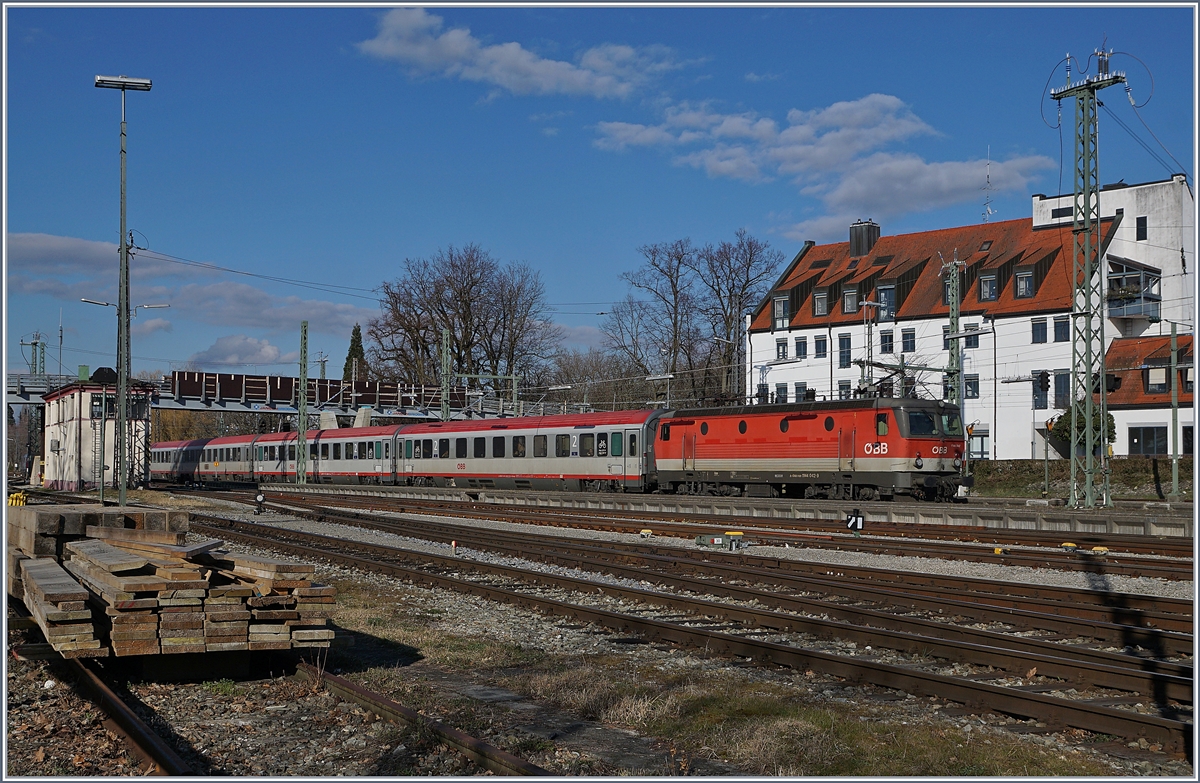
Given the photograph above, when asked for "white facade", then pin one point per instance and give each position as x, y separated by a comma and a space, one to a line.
1156, 234
76, 436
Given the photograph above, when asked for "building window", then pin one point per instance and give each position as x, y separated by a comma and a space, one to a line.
1039, 397
1062, 329
1062, 390
801, 347
781, 392
886, 342
1156, 380
820, 304
1187, 440
1062, 212
908, 341
1142, 230
781, 313
971, 340
971, 387
780, 349
801, 390
1187, 379
1024, 285
945, 340
979, 446
946, 290
945, 387
843, 350
819, 347
886, 312
1039, 330
850, 300
987, 288
843, 390
1148, 441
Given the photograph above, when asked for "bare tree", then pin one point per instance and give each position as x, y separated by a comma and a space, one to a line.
495, 316
734, 276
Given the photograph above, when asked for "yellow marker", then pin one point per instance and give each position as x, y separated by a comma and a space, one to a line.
732, 533
1100, 550
1069, 545
646, 532
1000, 551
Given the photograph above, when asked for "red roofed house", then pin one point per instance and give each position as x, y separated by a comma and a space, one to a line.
810, 330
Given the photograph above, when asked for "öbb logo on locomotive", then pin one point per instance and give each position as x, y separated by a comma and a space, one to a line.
803, 450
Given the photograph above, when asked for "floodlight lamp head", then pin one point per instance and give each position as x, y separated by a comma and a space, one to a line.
123, 83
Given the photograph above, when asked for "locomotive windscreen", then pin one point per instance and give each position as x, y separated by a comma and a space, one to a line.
921, 424
951, 424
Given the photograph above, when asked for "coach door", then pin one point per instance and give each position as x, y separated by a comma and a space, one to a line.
633, 459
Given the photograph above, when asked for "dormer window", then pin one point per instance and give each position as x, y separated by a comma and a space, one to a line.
850, 300
780, 312
987, 288
1023, 285
820, 303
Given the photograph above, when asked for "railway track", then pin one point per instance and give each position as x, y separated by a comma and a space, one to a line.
794, 640
1096, 554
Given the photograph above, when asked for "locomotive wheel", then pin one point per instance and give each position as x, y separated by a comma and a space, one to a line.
867, 493
810, 491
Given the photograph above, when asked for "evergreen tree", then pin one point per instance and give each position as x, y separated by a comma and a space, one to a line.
355, 352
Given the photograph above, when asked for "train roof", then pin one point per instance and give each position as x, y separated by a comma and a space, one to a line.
599, 419
807, 407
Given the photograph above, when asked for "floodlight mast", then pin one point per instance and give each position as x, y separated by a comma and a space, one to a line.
123, 83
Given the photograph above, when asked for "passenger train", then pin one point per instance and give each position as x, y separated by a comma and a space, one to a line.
864, 449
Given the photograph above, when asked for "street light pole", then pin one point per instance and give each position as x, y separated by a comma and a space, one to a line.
123, 83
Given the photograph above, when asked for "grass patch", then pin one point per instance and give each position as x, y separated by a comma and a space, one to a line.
225, 687
1132, 478
779, 730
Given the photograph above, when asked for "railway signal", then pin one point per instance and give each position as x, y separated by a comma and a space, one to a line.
854, 522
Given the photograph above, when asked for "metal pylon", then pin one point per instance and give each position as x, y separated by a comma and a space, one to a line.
1089, 415
302, 410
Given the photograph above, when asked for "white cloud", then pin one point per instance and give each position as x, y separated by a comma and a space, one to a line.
582, 337
418, 40
142, 328
241, 350
241, 305
761, 77
51, 254
549, 131
841, 155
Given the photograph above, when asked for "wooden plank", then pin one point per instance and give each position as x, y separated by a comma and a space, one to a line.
126, 534
116, 582
104, 556
166, 550
45, 578
233, 562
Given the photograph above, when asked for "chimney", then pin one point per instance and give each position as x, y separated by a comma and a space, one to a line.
863, 236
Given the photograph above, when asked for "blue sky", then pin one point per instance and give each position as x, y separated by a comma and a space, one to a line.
325, 145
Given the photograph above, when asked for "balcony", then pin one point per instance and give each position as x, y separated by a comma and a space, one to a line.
1133, 291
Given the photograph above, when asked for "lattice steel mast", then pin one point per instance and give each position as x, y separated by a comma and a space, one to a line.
1089, 453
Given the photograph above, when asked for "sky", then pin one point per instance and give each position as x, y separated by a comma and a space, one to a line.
310, 150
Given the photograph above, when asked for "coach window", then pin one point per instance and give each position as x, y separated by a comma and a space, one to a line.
408, 449
587, 445
518, 445
260, 454
498, 446
480, 448
312, 451
387, 449
601, 444
362, 450
292, 451
337, 451
427, 448
324, 451
633, 445
444, 448
379, 450
460, 448
539, 445
562, 445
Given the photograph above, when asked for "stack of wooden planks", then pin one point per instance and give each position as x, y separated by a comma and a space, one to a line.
59, 606
144, 590
287, 609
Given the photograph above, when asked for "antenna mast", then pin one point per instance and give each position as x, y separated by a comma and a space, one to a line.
987, 188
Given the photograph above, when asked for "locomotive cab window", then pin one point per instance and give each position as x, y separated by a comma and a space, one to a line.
518, 446
664, 432
951, 424
539, 445
881, 424
921, 424
616, 444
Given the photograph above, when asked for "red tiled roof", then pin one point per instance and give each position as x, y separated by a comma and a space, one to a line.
1047, 250
1130, 357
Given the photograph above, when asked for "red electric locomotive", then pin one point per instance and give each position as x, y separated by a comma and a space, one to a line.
864, 449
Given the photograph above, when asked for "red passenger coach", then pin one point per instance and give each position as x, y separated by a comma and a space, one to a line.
589, 451
853, 449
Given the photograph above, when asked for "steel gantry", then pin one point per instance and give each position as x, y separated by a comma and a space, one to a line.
1089, 407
